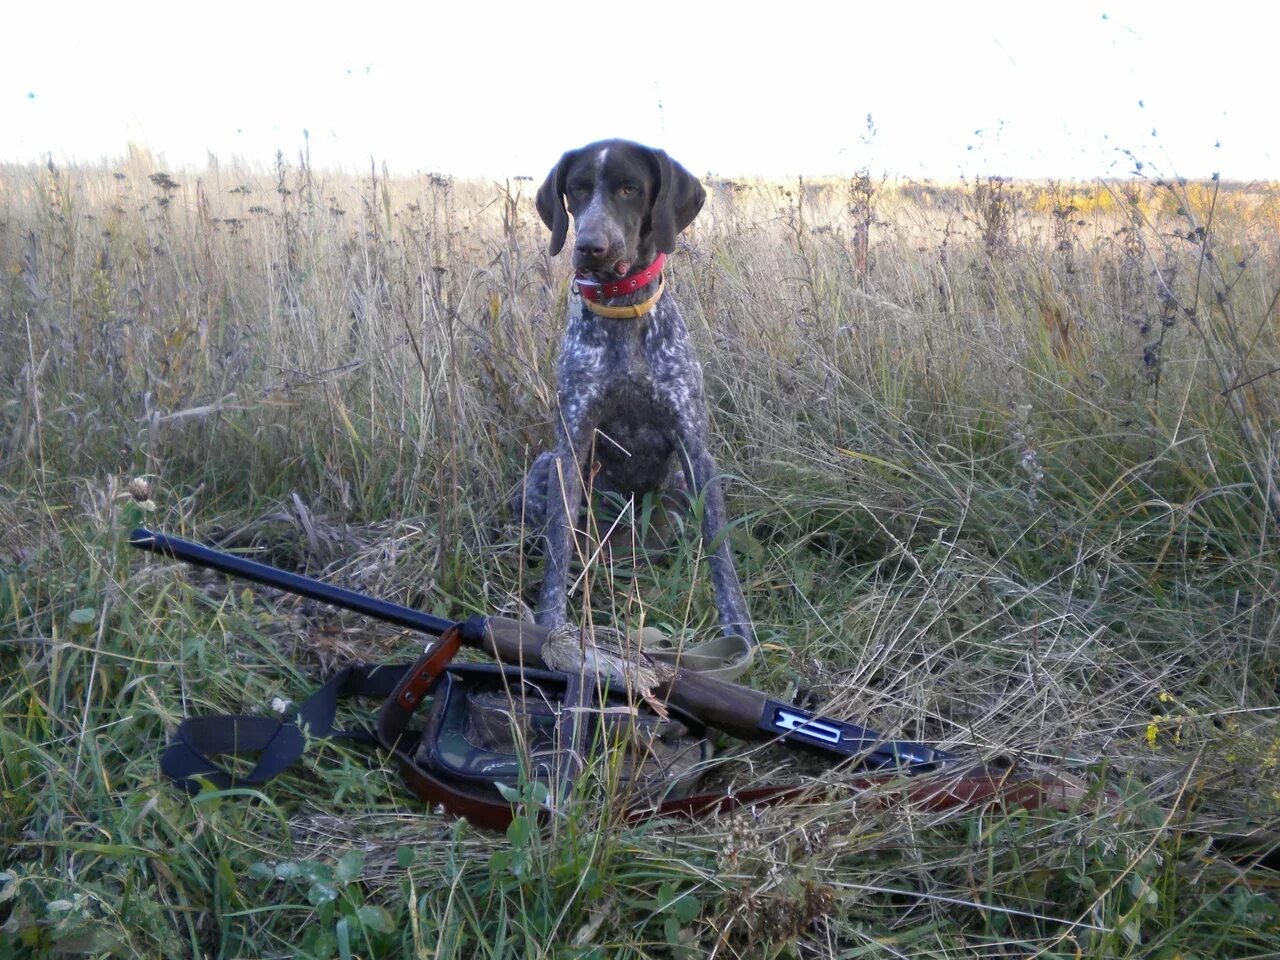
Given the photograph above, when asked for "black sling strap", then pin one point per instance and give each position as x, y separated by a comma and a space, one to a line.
279, 743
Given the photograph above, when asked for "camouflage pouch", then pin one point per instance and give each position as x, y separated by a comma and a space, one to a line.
490, 725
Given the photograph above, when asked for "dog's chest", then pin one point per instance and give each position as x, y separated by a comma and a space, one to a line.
637, 375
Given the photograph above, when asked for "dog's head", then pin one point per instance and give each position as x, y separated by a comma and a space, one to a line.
628, 202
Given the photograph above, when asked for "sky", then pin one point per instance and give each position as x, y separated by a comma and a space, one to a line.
1029, 89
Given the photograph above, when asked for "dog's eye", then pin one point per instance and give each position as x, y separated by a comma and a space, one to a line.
628, 190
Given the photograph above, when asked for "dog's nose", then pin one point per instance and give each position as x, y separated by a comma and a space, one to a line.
591, 246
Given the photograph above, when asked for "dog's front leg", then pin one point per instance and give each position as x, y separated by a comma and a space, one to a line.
703, 474
564, 501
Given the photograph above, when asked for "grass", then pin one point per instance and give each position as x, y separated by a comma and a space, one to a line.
1002, 458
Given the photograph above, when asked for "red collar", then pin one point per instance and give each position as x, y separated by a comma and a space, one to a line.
633, 281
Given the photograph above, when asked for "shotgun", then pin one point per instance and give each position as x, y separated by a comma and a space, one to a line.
733, 708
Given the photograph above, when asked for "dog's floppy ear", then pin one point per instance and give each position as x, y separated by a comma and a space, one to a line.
677, 202
550, 201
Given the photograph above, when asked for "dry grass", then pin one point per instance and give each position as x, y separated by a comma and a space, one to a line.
1004, 458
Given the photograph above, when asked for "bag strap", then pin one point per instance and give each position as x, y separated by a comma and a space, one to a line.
413, 686
725, 656
279, 743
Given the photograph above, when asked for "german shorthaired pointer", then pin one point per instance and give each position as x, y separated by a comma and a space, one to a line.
631, 406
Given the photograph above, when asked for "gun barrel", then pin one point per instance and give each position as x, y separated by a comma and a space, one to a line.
234, 566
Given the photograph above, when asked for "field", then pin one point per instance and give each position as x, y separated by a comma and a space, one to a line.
1002, 459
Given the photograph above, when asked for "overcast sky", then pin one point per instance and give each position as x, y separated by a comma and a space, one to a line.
1025, 89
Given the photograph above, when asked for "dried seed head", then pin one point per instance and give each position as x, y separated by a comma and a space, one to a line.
140, 490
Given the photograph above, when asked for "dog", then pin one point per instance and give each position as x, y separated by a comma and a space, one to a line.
631, 416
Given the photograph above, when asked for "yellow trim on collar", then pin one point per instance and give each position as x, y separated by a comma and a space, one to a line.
631, 311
